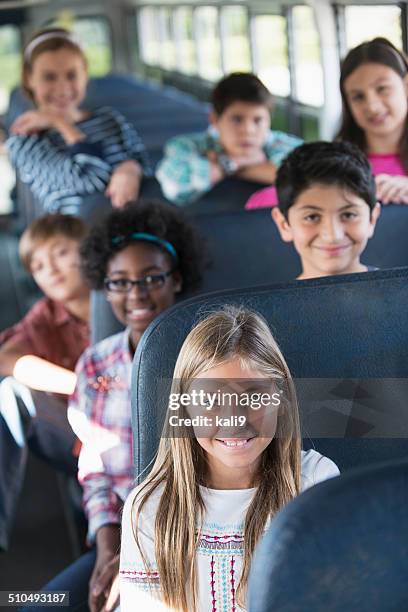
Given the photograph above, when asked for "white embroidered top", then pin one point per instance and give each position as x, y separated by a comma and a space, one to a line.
220, 549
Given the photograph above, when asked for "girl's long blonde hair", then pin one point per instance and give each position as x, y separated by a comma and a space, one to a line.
180, 466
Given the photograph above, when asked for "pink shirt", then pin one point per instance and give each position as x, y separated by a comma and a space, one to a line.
386, 164
264, 198
380, 164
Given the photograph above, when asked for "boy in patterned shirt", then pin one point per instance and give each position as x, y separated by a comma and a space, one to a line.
238, 143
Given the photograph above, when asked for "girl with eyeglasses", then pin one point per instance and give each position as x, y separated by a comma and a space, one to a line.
144, 256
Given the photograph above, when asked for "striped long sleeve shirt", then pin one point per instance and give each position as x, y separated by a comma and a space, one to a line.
60, 175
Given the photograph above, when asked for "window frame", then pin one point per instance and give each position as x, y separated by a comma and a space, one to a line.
109, 30
223, 35
340, 16
20, 42
294, 107
196, 36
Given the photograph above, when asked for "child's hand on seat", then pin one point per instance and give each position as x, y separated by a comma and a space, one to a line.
392, 189
124, 184
32, 122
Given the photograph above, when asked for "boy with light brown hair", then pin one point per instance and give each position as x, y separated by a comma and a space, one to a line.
38, 354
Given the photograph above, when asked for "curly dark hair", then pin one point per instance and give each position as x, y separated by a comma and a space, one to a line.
153, 217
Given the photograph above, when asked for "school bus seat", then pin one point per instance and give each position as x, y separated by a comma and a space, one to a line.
341, 545
346, 345
245, 250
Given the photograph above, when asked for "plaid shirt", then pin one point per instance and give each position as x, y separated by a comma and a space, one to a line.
99, 413
184, 172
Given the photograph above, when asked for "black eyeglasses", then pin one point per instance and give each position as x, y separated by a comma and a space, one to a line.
124, 285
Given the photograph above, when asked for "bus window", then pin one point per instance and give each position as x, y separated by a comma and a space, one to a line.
149, 35
234, 39
307, 65
95, 36
183, 28
270, 51
7, 182
208, 42
10, 63
167, 44
366, 22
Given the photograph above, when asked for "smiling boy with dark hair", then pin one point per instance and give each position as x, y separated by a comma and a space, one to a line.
327, 207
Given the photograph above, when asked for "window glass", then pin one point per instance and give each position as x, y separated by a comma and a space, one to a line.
366, 22
149, 35
237, 55
271, 53
10, 63
7, 182
208, 43
308, 69
95, 37
183, 26
167, 44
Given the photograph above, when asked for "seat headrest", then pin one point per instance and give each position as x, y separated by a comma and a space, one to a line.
334, 327
341, 545
246, 250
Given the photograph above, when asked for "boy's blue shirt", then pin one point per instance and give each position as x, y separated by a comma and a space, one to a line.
184, 172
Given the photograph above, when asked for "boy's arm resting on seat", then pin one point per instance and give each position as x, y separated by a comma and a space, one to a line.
43, 375
277, 146
18, 359
263, 168
184, 173
263, 172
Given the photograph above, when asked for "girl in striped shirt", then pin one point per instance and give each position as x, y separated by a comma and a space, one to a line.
62, 151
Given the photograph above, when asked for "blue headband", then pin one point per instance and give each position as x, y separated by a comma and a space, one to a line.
167, 246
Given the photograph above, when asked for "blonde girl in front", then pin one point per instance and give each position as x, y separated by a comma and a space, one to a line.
190, 529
